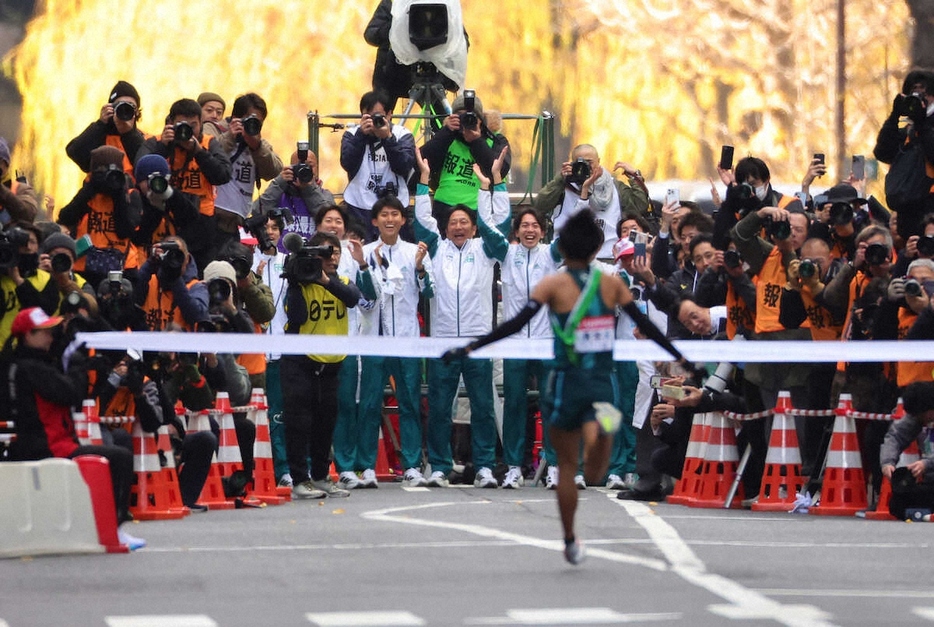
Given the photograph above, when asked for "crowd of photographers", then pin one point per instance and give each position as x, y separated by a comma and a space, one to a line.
175, 232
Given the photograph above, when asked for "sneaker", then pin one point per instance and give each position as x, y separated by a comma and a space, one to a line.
349, 480
437, 479
615, 482
574, 552
131, 542
330, 488
485, 479
513, 479
368, 479
307, 490
579, 482
197, 508
285, 481
413, 478
551, 478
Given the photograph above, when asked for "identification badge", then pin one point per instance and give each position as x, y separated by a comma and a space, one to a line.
595, 334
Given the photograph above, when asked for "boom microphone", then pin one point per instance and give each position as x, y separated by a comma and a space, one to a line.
293, 242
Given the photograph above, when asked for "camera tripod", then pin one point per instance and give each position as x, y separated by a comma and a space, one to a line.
429, 93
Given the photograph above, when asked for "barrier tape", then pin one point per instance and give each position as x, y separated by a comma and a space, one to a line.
852, 413
623, 350
117, 420
743, 417
865, 415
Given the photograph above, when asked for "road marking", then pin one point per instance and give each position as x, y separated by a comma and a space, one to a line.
924, 612
394, 514
869, 594
744, 603
154, 620
365, 619
571, 616
415, 489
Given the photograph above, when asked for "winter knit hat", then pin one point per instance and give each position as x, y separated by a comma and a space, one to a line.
149, 164
103, 156
210, 96
123, 88
220, 270
58, 240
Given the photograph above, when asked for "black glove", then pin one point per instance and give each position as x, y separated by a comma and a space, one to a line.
453, 354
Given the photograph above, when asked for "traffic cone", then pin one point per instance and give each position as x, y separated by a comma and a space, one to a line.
152, 496
93, 421
910, 455
264, 486
81, 427
844, 487
687, 487
212, 494
781, 479
719, 468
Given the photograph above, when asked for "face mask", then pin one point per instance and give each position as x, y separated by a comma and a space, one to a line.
762, 191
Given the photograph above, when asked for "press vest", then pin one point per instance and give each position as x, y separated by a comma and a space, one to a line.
327, 315
911, 371
161, 309
771, 280
187, 177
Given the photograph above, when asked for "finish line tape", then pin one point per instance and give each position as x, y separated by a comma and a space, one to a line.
623, 350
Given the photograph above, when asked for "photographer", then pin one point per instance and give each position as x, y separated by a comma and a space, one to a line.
165, 210
116, 126
916, 247
910, 125
840, 217
378, 156
106, 211
316, 304
168, 289
22, 283
57, 257
252, 160
464, 139
915, 490
198, 163
296, 194
18, 200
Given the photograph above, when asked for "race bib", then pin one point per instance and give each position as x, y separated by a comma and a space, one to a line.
595, 334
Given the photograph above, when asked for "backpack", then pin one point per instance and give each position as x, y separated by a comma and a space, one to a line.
907, 182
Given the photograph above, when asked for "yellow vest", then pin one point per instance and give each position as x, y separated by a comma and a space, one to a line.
327, 315
10, 302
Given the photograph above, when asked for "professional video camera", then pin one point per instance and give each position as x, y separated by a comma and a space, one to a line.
430, 31
109, 181
255, 225
580, 172
10, 242
304, 263
124, 111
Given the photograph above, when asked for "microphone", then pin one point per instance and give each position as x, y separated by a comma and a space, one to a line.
293, 242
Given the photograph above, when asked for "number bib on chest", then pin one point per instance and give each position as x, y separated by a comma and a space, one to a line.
595, 334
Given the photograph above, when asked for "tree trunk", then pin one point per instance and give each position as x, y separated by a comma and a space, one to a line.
922, 48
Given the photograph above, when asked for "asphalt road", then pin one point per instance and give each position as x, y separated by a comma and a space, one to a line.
464, 556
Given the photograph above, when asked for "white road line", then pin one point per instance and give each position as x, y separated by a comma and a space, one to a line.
365, 619
571, 616
863, 594
414, 489
155, 620
390, 515
924, 612
744, 603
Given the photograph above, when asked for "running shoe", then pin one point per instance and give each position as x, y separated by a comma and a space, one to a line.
485, 479
437, 479
513, 479
413, 478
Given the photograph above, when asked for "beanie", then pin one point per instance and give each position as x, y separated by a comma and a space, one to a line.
459, 104
103, 156
149, 164
210, 96
58, 240
4, 151
123, 88
220, 270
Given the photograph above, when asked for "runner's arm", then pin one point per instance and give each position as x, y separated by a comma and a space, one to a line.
509, 327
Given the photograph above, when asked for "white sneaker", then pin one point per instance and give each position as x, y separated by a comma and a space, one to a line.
285, 481
485, 479
368, 479
615, 482
329, 488
551, 478
579, 482
349, 480
414, 478
437, 479
574, 553
307, 490
131, 542
513, 479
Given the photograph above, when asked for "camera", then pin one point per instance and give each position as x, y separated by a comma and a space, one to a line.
807, 269
304, 263
926, 245
218, 292
255, 225
469, 118
777, 229
743, 197
72, 303
109, 181
388, 189
252, 125
158, 183
912, 106
171, 258
303, 173
183, 131
877, 254
378, 119
732, 259
912, 288
215, 323
61, 262
580, 172
124, 111
10, 242
841, 213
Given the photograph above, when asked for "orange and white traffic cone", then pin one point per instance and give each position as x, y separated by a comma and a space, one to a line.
688, 486
212, 494
264, 475
81, 426
152, 496
93, 420
719, 468
843, 492
910, 455
781, 479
